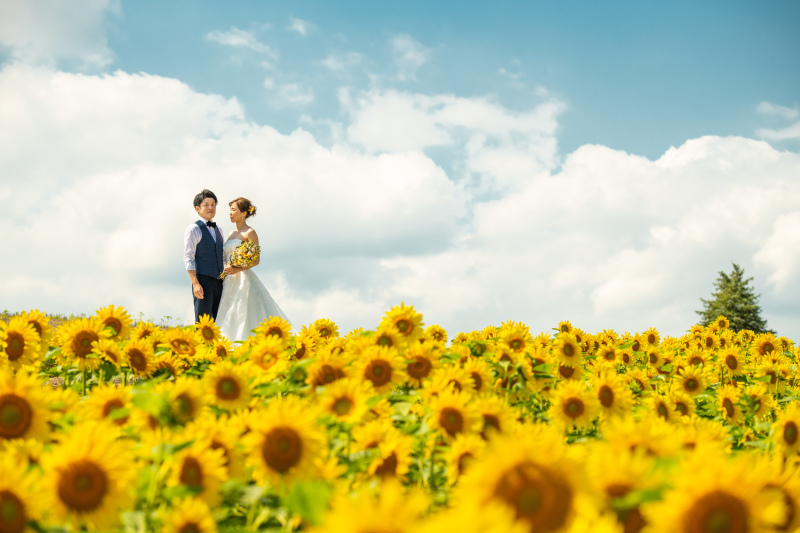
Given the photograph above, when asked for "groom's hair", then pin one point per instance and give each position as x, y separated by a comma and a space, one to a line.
205, 193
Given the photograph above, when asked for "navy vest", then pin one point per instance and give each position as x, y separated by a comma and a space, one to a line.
208, 255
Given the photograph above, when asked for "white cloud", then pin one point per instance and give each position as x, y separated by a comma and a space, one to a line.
241, 39
102, 169
47, 32
303, 27
409, 56
295, 94
341, 61
778, 110
782, 134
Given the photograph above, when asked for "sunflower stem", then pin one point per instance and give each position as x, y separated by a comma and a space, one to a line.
433, 460
84, 381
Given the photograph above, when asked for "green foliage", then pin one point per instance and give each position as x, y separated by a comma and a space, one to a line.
736, 300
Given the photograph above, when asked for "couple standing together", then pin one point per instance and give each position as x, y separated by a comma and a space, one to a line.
239, 302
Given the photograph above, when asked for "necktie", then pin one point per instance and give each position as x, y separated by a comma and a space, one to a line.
211, 224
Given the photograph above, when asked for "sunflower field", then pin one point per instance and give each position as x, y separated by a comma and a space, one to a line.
111, 425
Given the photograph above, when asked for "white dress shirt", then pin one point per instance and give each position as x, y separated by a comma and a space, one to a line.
191, 237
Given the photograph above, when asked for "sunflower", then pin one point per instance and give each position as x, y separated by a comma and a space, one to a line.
117, 320
185, 397
76, 339
567, 351
691, 380
109, 351
732, 362
613, 395
305, 343
421, 361
786, 430
660, 406
24, 412
698, 433
389, 337
765, 344
405, 320
140, 357
108, 402
496, 416
481, 375
452, 414
189, 515
184, 342
223, 348
394, 456
325, 329
326, 369
651, 338
267, 358
638, 380
198, 468
783, 481
227, 386
221, 433
277, 327
284, 442
572, 405
382, 366
173, 363
90, 476
515, 336
388, 509
20, 500
728, 404
448, 377
682, 402
567, 372
346, 399
652, 435
207, 329
464, 449
143, 330
369, 434
531, 474
20, 343
608, 355
436, 333
713, 494
709, 341
773, 376
41, 324
759, 400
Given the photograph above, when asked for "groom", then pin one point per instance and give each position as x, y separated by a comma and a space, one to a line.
202, 255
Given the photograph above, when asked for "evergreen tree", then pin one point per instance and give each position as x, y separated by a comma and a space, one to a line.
735, 299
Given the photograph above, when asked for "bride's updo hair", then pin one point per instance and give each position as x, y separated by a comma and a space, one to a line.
244, 205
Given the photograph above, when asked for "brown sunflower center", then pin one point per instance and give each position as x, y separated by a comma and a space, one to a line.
709, 342
516, 344
662, 410
191, 472
300, 352
682, 408
732, 362
477, 380
653, 358
385, 340
324, 332
419, 368
403, 326
189, 527
16, 416
184, 407
537, 495
691, 384
208, 333
606, 395
379, 372
228, 388
651, 338
635, 346
330, 373
388, 466
282, 449
451, 420
114, 323
574, 408
182, 347
138, 360
82, 343
82, 486
768, 347
15, 345
566, 371
463, 460
790, 433
568, 350
717, 512
12, 513
343, 406
727, 404
109, 408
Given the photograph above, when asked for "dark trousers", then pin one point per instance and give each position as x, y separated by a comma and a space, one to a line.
212, 293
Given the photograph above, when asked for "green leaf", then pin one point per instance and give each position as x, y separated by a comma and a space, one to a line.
309, 499
134, 522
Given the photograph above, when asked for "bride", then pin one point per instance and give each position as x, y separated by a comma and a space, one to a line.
245, 302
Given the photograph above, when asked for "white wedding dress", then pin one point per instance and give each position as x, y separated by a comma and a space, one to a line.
245, 302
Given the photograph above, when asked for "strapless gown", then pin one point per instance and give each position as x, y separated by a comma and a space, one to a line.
245, 302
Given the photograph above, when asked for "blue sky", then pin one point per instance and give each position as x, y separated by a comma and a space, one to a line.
636, 76
526, 161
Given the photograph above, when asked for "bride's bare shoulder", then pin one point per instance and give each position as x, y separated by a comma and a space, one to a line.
250, 235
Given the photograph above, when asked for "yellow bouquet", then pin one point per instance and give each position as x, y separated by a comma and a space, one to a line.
243, 255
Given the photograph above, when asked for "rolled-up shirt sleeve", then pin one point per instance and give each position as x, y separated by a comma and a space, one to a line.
190, 240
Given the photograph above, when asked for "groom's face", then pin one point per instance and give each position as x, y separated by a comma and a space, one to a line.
207, 209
